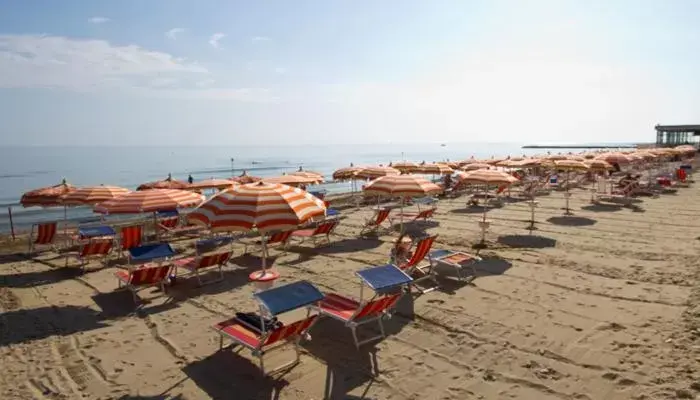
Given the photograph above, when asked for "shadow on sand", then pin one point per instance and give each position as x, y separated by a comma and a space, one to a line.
603, 207
570, 220
527, 241
223, 375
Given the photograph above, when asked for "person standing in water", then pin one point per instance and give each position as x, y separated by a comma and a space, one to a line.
190, 180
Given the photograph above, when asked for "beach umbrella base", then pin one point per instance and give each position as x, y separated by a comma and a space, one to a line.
567, 209
533, 206
263, 279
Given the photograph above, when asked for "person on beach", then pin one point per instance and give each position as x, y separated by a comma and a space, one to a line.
400, 252
190, 179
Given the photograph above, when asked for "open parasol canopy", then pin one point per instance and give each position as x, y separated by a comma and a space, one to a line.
346, 173
51, 196
167, 183
377, 172
93, 194
401, 185
212, 183
293, 180
486, 177
150, 200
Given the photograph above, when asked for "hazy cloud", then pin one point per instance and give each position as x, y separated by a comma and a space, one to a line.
215, 38
173, 33
98, 20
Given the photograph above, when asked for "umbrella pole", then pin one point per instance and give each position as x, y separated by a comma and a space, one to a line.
65, 224
567, 194
401, 226
264, 253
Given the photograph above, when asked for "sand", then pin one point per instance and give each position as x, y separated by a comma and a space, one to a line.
601, 305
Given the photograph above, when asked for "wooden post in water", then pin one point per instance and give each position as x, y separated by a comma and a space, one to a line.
12, 225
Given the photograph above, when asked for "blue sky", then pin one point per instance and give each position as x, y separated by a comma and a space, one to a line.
233, 72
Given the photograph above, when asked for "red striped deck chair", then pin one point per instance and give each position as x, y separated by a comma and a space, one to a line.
131, 236
143, 277
417, 264
324, 228
172, 226
413, 216
278, 239
262, 343
94, 248
373, 224
201, 262
354, 313
42, 235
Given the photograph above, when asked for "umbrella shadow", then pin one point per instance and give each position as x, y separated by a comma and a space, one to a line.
224, 373
26, 325
569, 220
13, 258
39, 278
120, 303
527, 241
603, 207
492, 265
472, 210
347, 246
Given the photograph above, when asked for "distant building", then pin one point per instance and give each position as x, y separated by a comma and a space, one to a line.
675, 135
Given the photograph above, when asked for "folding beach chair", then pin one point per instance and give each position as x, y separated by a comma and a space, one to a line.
172, 226
374, 223
259, 333
278, 239
413, 216
622, 195
94, 248
130, 236
42, 235
201, 262
324, 228
146, 276
387, 281
458, 260
417, 264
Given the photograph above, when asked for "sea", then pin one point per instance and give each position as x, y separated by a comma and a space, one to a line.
27, 168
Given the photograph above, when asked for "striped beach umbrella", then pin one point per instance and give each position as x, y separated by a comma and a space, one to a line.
167, 183
212, 183
613, 158
151, 200
377, 172
476, 166
346, 173
315, 176
293, 180
51, 196
401, 185
263, 206
404, 166
434, 169
244, 178
94, 194
486, 177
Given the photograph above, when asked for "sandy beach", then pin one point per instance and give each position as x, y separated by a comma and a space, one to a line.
600, 305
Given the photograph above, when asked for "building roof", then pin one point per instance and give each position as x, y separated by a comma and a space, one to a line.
678, 128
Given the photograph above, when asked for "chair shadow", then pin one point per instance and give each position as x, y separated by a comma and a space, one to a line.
492, 265
13, 258
26, 325
39, 278
188, 287
224, 375
350, 245
120, 303
603, 207
527, 241
569, 220
156, 397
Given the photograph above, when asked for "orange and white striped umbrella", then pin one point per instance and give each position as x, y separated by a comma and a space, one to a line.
315, 176
150, 200
377, 172
212, 183
346, 173
599, 165
51, 196
94, 194
434, 169
292, 180
613, 158
486, 177
164, 184
475, 166
405, 166
571, 165
401, 185
265, 206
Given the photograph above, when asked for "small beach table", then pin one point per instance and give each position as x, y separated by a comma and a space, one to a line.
383, 279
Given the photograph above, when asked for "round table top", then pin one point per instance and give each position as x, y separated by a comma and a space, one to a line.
263, 276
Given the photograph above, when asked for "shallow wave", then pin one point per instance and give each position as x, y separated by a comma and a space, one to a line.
240, 170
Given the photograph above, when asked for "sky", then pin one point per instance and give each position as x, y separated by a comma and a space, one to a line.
225, 72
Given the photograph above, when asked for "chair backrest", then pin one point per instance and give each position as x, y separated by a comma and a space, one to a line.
45, 233
214, 259
131, 236
96, 247
279, 237
422, 250
377, 306
149, 275
382, 215
426, 213
325, 228
681, 174
170, 222
287, 331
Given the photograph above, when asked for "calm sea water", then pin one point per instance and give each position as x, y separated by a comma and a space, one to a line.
26, 168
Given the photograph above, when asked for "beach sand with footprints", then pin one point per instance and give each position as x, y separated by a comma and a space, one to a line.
599, 305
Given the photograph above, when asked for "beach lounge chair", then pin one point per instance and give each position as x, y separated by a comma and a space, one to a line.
172, 226
146, 276
417, 267
387, 281
93, 248
130, 236
42, 235
622, 195
458, 260
374, 223
200, 262
278, 239
262, 333
409, 217
324, 228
